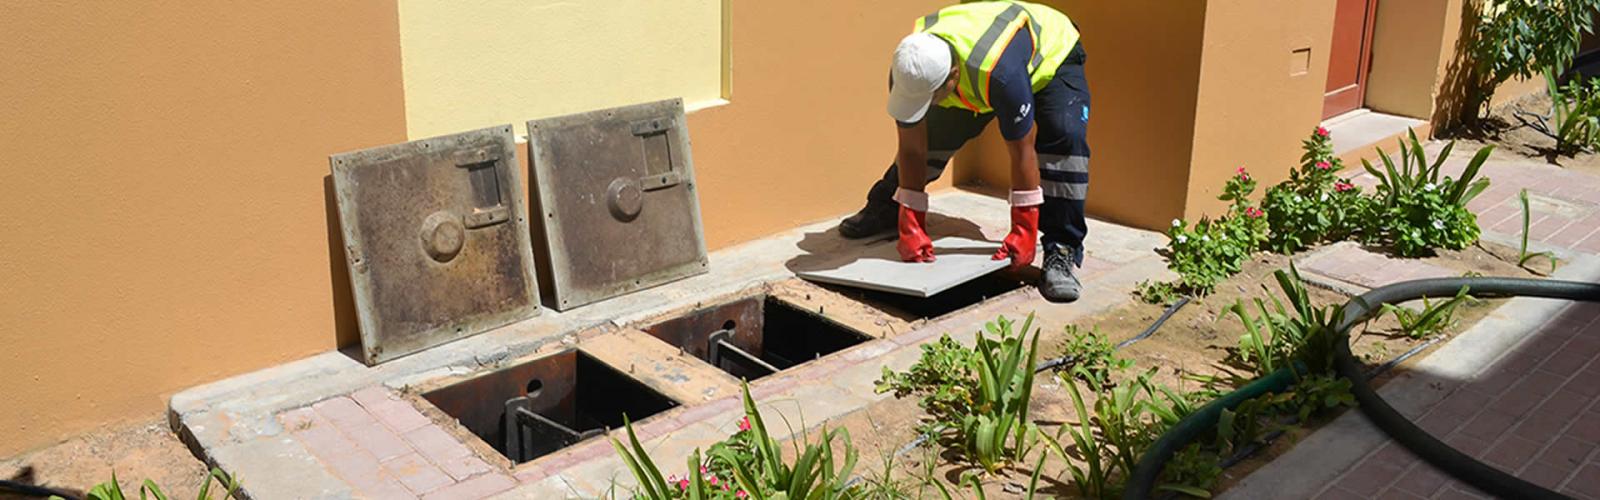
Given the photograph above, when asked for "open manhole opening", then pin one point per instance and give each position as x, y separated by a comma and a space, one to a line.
959, 297
535, 408
755, 337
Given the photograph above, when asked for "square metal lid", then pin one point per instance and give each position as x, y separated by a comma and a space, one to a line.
436, 239
616, 209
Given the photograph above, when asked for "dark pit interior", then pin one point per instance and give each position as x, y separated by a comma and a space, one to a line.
765, 334
535, 408
955, 299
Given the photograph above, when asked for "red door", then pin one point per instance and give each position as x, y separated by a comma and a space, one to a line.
1348, 56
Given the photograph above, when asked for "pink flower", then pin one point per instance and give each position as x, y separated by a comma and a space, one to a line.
1322, 132
741, 494
1243, 176
704, 470
683, 484
744, 424
1253, 212
712, 480
726, 487
1322, 165
1342, 186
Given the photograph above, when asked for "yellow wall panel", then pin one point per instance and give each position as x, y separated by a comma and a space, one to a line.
478, 63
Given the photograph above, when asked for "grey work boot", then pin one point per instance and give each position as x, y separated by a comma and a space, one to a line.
877, 217
1058, 284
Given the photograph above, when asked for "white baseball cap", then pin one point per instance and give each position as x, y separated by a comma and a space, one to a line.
921, 65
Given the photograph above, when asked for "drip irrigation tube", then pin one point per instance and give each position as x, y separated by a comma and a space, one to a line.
1148, 331
1447, 459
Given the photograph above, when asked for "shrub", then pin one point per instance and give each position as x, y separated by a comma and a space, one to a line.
1415, 210
1315, 205
1523, 38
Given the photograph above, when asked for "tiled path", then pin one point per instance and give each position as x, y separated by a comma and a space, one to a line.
1520, 391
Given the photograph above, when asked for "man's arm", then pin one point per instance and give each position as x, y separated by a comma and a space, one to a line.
912, 155
1024, 162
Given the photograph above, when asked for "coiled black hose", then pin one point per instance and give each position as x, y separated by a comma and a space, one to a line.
1443, 457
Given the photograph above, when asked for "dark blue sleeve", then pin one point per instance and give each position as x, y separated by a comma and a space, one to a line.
1011, 88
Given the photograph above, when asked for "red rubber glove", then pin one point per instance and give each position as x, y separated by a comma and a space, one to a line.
1024, 237
914, 244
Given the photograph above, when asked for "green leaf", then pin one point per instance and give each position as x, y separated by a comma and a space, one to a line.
1184, 489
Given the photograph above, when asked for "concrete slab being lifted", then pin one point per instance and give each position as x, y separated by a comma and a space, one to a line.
959, 260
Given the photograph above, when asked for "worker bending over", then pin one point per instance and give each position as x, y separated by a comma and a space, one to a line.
1020, 62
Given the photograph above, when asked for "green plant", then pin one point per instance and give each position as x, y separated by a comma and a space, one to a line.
1314, 205
1157, 292
112, 490
1523, 38
1574, 120
760, 474
1415, 209
1126, 419
942, 377
1522, 252
1212, 250
998, 431
1094, 358
1431, 320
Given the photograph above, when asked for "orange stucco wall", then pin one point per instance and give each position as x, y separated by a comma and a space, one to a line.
1254, 106
1143, 67
806, 131
165, 218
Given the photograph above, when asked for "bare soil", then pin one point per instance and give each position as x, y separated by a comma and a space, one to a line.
1512, 130
143, 450
1196, 339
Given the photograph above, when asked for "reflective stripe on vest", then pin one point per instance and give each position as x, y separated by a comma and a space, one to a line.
979, 32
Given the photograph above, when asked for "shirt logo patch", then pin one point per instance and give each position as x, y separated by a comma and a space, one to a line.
1022, 113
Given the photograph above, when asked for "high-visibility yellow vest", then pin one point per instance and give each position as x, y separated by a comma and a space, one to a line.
980, 31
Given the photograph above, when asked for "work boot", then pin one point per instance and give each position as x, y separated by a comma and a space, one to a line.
1058, 284
876, 218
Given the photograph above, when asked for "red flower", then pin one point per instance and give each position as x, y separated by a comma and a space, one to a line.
1243, 176
744, 424
1342, 186
1253, 212
1322, 165
1322, 132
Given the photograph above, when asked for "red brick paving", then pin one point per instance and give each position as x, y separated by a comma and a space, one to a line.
384, 448
1535, 413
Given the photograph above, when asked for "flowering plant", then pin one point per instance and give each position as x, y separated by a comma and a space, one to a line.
1415, 209
1315, 204
1212, 250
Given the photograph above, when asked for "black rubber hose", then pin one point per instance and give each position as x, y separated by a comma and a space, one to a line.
28, 490
1442, 456
1142, 479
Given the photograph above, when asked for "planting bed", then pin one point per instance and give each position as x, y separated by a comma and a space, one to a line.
1195, 340
1513, 140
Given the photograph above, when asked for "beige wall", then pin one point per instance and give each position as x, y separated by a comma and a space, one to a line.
480, 63
165, 221
1143, 68
1252, 110
1411, 55
1421, 64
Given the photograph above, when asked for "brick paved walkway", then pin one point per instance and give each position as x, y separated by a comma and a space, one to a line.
1536, 414
1520, 391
